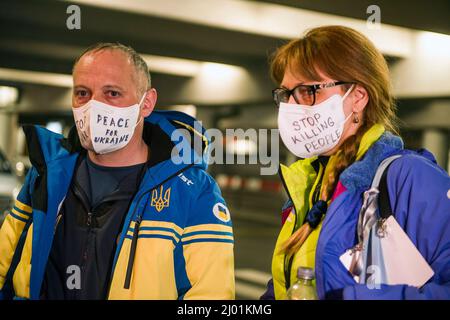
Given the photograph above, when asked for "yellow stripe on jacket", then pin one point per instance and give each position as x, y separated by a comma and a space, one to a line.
23, 206
214, 241
21, 278
10, 233
153, 276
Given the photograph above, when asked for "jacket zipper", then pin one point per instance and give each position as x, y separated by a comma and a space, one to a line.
89, 221
86, 245
131, 257
132, 252
83, 197
288, 267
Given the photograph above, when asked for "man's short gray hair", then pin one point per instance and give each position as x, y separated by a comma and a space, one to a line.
139, 64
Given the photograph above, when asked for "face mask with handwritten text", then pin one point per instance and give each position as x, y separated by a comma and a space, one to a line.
104, 128
309, 131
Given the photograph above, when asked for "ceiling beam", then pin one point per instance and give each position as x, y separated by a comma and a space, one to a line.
258, 18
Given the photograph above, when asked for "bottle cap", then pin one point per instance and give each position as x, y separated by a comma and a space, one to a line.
305, 273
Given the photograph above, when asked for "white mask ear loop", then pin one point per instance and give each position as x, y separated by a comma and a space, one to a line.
348, 92
139, 121
142, 99
345, 95
140, 102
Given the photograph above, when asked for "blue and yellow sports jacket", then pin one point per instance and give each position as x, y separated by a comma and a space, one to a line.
177, 238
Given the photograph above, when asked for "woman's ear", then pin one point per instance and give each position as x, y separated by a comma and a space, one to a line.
360, 98
149, 102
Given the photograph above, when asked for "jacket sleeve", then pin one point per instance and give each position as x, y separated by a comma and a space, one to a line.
13, 230
419, 193
208, 247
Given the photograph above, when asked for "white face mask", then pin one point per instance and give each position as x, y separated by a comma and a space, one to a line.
103, 128
308, 131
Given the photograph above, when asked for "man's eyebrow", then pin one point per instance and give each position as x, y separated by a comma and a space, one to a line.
113, 87
80, 87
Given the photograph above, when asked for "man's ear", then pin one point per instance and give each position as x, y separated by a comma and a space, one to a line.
360, 98
149, 102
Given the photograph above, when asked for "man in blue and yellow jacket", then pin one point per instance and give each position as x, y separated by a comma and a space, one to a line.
111, 212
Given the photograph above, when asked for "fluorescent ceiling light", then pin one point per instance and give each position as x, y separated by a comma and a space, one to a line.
44, 78
219, 71
8, 96
55, 126
160, 64
189, 109
242, 147
429, 60
174, 66
434, 44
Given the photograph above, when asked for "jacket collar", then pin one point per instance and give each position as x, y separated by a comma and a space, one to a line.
359, 175
375, 146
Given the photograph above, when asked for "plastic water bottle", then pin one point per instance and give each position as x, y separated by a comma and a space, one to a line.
303, 288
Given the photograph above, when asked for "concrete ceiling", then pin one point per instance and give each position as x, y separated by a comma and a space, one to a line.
44, 22
34, 36
416, 14
41, 25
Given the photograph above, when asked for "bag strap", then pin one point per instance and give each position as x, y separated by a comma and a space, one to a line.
375, 202
380, 182
384, 204
375, 205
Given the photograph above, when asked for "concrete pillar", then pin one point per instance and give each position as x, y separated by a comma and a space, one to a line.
436, 140
8, 133
448, 162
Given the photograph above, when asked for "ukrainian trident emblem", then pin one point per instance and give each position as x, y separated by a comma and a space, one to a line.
158, 200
